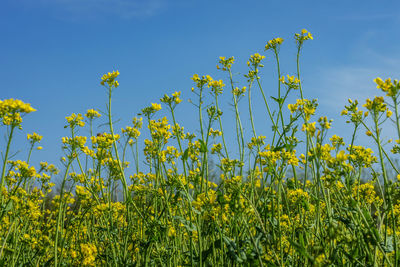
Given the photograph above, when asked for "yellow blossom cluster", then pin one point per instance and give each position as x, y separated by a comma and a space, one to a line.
256, 141
239, 91
75, 119
297, 195
175, 99
292, 81
305, 106
104, 140
366, 192
92, 113
390, 88
362, 156
255, 60
109, 78
77, 141
34, 138
377, 104
9, 106
226, 63
216, 86
274, 43
11, 109
302, 36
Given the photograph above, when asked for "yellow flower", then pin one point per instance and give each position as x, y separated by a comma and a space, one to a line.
10, 111
273, 44
297, 195
214, 133
292, 108
131, 132
341, 156
323, 121
156, 106
336, 140
74, 254
377, 105
91, 113
256, 59
34, 138
239, 92
226, 63
309, 127
176, 96
302, 36
216, 86
75, 119
390, 88
89, 252
171, 231
13, 106
109, 78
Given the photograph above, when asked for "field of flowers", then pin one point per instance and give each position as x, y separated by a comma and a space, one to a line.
263, 202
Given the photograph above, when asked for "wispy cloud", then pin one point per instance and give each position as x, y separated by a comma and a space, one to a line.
341, 83
126, 9
336, 84
355, 81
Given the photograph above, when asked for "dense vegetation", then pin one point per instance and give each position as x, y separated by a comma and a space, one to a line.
270, 204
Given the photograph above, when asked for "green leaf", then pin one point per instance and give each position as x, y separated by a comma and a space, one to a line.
388, 247
203, 146
188, 225
278, 100
301, 249
185, 154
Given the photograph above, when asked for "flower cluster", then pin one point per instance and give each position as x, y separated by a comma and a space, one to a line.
75, 119
390, 88
92, 113
10, 111
303, 36
304, 106
110, 79
226, 63
274, 43
255, 60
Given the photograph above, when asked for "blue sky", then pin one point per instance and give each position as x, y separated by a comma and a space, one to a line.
55, 51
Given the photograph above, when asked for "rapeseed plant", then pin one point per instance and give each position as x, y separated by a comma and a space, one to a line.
270, 202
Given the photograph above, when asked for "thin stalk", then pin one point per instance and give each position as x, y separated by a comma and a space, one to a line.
239, 126
6, 155
60, 212
276, 129
396, 110
386, 186
123, 179
220, 125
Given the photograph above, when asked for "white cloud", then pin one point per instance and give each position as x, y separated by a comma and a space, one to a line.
335, 85
339, 83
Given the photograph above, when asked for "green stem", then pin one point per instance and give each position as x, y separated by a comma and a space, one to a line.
123, 179
6, 156
220, 125
60, 212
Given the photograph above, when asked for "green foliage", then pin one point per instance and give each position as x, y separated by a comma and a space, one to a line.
267, 204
